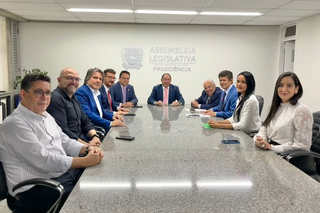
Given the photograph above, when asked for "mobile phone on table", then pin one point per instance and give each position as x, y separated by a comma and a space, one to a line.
130, 114
230, 141
128, 138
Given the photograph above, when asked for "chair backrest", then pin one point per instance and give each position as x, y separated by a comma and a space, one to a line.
315, 147
3, 184
261, 103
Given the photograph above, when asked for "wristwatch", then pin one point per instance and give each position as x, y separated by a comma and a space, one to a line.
95, 135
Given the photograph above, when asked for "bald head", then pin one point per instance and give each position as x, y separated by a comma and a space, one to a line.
69, 80
209, 86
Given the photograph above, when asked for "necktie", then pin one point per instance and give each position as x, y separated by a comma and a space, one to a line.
165, 112
110, 100
208, 100
165, 99
124, 95
222, 101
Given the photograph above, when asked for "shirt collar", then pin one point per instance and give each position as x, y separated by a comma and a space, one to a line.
63, 93
227, 90
106, 88
94, 92
28, 113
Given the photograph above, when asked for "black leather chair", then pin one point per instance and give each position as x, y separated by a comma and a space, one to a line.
101, 132
308, 161
261, 103
12, 202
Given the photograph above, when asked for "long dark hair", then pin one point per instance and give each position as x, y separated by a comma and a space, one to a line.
251, 85
276, 100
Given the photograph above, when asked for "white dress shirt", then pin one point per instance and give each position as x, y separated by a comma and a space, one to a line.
95, 94
291, 128
249, 119
34, 146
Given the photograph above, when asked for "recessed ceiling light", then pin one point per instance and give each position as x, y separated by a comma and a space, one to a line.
231, 13
171, 12
88, 10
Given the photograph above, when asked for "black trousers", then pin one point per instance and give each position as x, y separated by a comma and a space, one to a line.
39, 199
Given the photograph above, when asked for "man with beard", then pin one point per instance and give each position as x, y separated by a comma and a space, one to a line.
67, 111
106, 96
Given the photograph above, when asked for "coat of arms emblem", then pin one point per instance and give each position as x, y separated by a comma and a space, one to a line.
132, 56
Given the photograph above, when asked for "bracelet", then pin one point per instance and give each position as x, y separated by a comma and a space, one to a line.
95, 135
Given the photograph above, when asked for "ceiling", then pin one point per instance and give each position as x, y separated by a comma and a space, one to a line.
276, 12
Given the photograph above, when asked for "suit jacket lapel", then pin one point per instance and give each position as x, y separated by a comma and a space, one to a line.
160, 93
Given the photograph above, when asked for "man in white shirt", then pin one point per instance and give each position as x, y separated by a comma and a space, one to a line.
32, 145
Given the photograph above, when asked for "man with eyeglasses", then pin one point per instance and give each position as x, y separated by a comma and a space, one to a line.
123, 92
107, 100
67, 111
32, 145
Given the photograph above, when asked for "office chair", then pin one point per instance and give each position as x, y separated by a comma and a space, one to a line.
101, 132
261, 103
12, 201
308, 161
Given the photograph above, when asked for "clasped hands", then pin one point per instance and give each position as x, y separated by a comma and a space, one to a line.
95, 154
160, 103
117, 121
209, 112
261, 143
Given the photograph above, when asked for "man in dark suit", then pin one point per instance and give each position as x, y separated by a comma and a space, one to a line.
90, 99
66, 109
122, 92
210, 96
166, 93
228, 98
107, 100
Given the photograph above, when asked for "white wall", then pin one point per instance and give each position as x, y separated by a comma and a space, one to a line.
307, 64
54, 46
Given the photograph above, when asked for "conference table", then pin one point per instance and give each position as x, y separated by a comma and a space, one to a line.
176, 164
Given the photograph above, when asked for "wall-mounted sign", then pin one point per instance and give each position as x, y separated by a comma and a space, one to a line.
174, 59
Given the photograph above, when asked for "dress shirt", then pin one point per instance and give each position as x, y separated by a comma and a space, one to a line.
291, 128
34, 146
69, 115
249, 119
95, 94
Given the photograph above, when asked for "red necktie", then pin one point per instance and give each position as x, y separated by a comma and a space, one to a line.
110, 100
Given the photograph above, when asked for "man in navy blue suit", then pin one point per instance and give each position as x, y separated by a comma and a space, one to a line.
90, 99
166, 93
122, 92
228, 98
210, 96
107, 100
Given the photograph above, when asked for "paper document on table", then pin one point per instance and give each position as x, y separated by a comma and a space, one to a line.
200, 110
189, 115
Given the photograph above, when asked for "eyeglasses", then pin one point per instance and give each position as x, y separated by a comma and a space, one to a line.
39, 93
70, 78
114, 78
